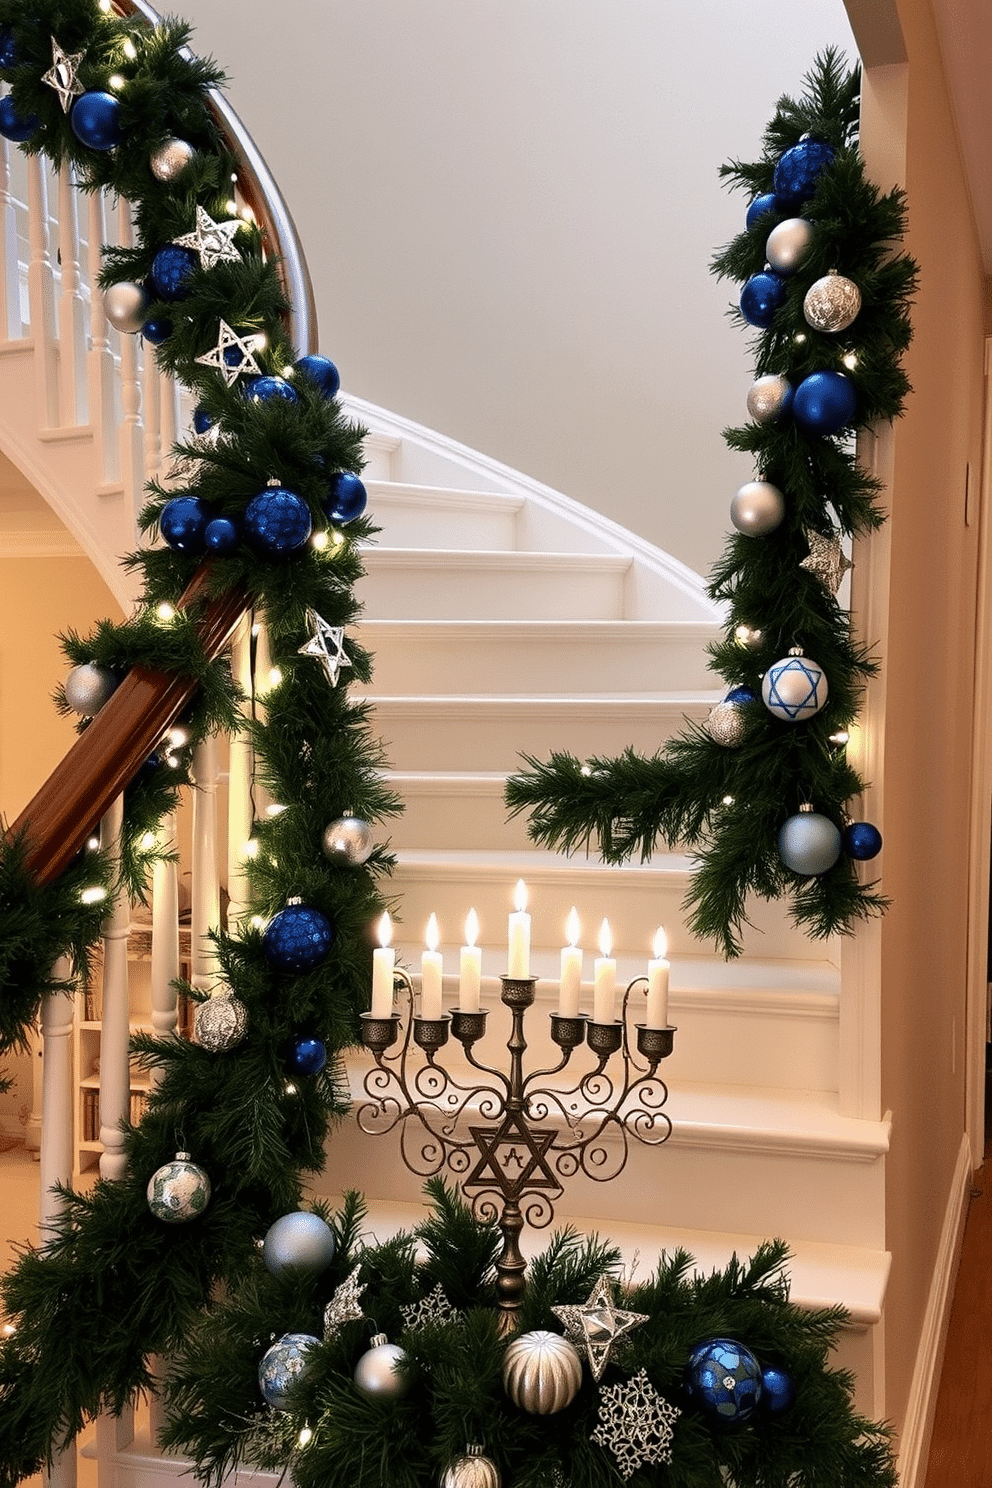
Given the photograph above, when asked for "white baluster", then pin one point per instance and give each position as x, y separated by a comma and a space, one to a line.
169, 400
72, 311
131, 435
41, 297
165, 939
115, 1083
11, 328
206, 864
263, 682
241, 769
152, 404
101, 379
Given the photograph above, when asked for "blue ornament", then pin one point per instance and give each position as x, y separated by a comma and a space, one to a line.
282, 1365
9, 53
307, 1056
798, 170
808, 843
277, 522
862, 840
157, 330
246, 385
266, 388
322, 372
794, 688
297, 939
723, 1378
346, 497
778, 1390
824, 402
172, 268
95, 120
769, 202
761, 297
221, 535
15, 126
182, 523
301, 1240
739, 695
201, 420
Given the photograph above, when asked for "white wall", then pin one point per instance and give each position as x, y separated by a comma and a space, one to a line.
509, 206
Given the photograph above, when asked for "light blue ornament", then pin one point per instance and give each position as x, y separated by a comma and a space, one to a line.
809, 843
300, 1240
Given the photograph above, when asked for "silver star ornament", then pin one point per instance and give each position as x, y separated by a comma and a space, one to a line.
597, 1324
343, 1306
62, 75
213, 241
826, 560
326, 643
221, 359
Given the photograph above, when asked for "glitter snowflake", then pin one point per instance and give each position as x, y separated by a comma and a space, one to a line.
635, 1424
434, 1308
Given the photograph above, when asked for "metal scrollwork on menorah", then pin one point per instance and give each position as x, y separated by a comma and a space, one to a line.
511, 1140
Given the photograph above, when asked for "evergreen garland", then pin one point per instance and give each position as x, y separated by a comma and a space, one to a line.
723, 804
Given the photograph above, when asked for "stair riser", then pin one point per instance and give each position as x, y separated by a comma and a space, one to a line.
467, 591
465, 818
419, 522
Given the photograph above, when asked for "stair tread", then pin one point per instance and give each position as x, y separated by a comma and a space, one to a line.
533, 703
444, 495
375, 556
642, 629
538, 862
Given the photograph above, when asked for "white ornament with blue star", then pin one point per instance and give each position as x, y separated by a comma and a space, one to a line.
62, 75
233, 356
326, 643
213, 241
794, 688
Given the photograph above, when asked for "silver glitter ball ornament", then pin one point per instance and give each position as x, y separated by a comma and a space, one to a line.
809, 843
300, 1240
377, 1371
769, 397
88, 687
757, 508
788, 245
832, 303
126, 306
542, 1372
794, 688
282, 1365
348, 840
472, 1470
171, 159
178, 1191
726, 725
220, 1023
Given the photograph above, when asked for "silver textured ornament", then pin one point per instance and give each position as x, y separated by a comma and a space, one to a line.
542, 1372
472, 1470
788, 244
377, 1371
344, 1306
171, 159
832, 304
89, 687
809, 843
300, 1240
827, 561
794, 688
126, 306
348, 840
598, 1324
220, 1023
757, 508
769, 397
178, 1191
282, 1365
726, 725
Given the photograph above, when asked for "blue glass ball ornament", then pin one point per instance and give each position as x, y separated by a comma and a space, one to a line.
157, 330
794, 688
282, 1365
824, 402
277, 522
767, 202
95, 120
862, 840
809, 843
9, 53
182, 522
723, 1378
798, 171
15, 126
221, 535
307, 1056
778, 1390
346, 497
264, 389
202, 420
301, 1240
761, 296
172, 268
740, 695
297, 939
321, 371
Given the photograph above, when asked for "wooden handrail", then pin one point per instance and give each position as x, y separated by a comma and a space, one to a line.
108, 754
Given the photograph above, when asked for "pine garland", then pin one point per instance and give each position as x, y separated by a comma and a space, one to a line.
726, 805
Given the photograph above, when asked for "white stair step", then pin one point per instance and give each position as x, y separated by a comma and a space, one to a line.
420, 516
454, 810
538, 657
459, 584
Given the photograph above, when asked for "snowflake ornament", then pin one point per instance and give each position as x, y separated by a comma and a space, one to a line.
635, 1424
434, 1308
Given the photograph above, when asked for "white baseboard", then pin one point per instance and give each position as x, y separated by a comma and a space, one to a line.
914, 1441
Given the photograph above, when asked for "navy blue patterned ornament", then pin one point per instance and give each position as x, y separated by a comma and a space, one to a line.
95, 120
221, 535
157, 330
202, 420
824, 402
798, 171
172, 268
761, 297
322, 372
794, 688
723, 1378
182, 523
9, 52
307, 1056
277, 522
809, 843
282, 1365
264, 389
778, 1390
767, 202
346, 497
297, 939
862, 840
15, 126
740, 695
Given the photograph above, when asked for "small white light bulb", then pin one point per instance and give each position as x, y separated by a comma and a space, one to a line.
93, 895
130, 50
165, 611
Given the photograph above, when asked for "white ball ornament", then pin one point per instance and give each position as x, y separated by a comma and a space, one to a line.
89, 687
832, 304
220, 1023
300, 1240
378, 1371
178, 1191
794, 688
809, 843
126, 306
348, 841
788, 245
769, 397
757, 508
542, 1372
171, 159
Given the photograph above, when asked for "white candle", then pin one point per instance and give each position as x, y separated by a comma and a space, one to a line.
604, 987
658, 969
431, 972
470, 967
518, 951
383, 964
571, 969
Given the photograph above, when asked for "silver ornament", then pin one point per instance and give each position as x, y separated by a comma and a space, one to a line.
126, 306
635, 1424
282, 1365
89, 687
178, 1191
171, 159
769, 398
726, 725
220, 1023
348, 841
598, 1325
344, 1306
809, 843
794, 688
757, 508
749, 638
832, 303
300, 1240
472, 1470
826, 562
542, 1372
788, 245
378, 1373
212, 241
63, 75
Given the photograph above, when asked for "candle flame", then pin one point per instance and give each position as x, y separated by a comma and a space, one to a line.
605, 939
432, 935
384, 929
520, 896
471, 928
572, 927
660, 944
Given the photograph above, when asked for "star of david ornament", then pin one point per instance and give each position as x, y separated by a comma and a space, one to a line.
598, 1324
794, 688
826, 561
213, 241
344, 1305
513, 1156
434, 1308
62, 75
326, 643
635, 1424
233, 356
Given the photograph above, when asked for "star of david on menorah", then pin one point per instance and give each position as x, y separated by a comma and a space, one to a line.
513, 1139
